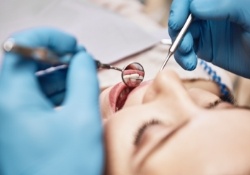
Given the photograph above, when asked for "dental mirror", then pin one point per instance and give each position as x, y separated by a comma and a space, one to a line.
133, 74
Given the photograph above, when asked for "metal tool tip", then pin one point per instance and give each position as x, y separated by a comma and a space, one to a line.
166, 60
8, 45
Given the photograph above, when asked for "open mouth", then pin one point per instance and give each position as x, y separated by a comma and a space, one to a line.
118, 96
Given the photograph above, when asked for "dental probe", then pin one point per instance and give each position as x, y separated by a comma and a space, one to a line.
177, 41
44, 55
106, 66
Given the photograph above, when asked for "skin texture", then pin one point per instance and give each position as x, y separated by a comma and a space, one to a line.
189, 134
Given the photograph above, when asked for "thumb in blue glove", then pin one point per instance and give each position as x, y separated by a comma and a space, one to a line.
220, 33
35, 138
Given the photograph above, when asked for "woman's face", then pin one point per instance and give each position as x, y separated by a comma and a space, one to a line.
167, 128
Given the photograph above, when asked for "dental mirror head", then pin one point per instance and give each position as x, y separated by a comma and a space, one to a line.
133, 74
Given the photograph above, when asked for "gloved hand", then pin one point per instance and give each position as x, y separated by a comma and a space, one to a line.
220, 33
36, 138
53, 85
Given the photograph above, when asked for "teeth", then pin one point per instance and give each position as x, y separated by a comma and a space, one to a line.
132, 80
126, 76
134, 76
122, 94
126, 80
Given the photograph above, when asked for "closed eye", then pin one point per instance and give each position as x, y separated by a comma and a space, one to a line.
214, 104
143, 128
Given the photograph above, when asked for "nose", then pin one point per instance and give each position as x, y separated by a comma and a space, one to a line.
166, 83
168, 90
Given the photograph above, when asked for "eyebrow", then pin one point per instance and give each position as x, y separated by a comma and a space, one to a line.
243, 107
214, 104
219, 101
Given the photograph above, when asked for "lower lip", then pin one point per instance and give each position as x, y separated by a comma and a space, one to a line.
117, 90
114, 95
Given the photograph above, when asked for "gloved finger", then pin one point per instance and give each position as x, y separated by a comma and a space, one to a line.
17, 71
212, 9
82, 84
41, 37
202, 39
186, 44
185, 48
195, 29
57, 41
179, 12
187, 61
53, 85
16, 80
57, 98
223, 9
53, 39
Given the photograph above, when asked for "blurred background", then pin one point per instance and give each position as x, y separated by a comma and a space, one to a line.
158, 10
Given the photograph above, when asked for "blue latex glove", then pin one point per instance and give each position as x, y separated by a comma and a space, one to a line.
37, 139
220, 33
53, 85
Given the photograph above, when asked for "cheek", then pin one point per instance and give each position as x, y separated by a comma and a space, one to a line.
118, 135
106, 109
150, 95
154, 168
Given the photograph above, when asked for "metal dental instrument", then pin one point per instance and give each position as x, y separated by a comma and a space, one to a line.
106, 66
38, 54
132, 74
177, 41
